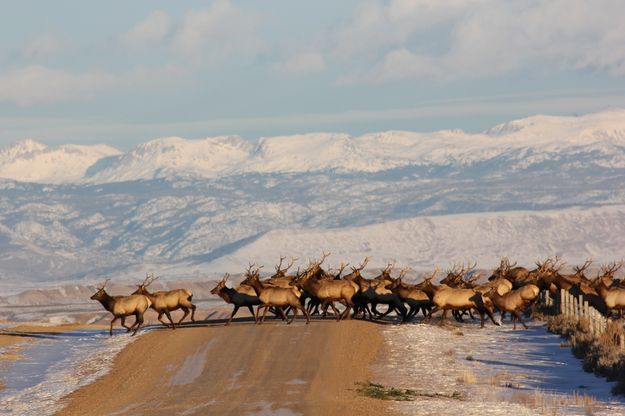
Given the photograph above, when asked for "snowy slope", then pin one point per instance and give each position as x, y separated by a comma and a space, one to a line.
425, 242
29, 161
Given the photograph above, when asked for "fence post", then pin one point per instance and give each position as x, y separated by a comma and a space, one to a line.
562, 302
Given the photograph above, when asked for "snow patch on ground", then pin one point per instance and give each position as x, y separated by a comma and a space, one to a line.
500, 372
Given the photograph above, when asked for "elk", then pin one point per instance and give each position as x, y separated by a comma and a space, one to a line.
415, 298
236, 298
122, 307
513, 301
328, 291
445, 298
163, 302
614, 297
278, 297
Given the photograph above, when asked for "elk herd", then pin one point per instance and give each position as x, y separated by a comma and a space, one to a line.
313, 290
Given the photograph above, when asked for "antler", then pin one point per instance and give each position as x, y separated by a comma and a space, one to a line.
225, 278
103, 284
293, 260
280, 264
362, 265
403, 272
581, 269
611, 268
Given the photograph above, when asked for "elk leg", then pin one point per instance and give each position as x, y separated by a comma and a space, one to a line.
234, 312
138, 322
251, 313
123, 322
284, 314
264, 314
186, 312
444, 316
168, 315
293, 318
308, 317
192, 313
336, 311
490, 315
111, 329
432, 311
518, 317
170, 320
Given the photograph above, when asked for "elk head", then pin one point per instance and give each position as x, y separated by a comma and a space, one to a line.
221, 285
100, 293
142, 288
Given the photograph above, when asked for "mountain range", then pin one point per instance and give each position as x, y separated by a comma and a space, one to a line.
191, 208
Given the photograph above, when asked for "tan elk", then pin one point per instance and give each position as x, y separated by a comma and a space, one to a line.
614, 297
163, 302
513, 302
328, 291
445, 298
122, 307
278, 297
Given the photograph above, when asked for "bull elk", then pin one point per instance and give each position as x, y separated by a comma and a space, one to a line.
122, 307
614, 297
236, 298
163, 302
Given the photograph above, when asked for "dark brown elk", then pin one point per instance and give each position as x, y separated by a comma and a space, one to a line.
236, 298
416, 299
122, 307
166, 301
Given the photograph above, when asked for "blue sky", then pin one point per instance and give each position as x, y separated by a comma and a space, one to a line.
126, 72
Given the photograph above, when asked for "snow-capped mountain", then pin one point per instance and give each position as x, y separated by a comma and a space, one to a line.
30, 161
186, 208
520, 144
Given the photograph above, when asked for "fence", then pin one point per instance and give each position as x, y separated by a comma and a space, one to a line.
577, 307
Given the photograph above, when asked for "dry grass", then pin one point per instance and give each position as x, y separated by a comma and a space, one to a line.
466, 377
548, 404
601, 354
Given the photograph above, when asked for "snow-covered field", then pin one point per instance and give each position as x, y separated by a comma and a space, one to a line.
495, 370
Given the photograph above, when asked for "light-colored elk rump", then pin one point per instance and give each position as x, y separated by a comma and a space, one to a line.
122, 307
235, 298
446, 298
164, 302
278, 297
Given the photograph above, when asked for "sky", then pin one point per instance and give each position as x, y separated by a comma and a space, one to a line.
123, 73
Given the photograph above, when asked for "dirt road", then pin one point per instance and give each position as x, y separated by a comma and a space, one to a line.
238, 370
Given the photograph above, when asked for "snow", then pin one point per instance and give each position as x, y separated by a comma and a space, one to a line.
424, 242
544, 137
522, 372
30, 161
